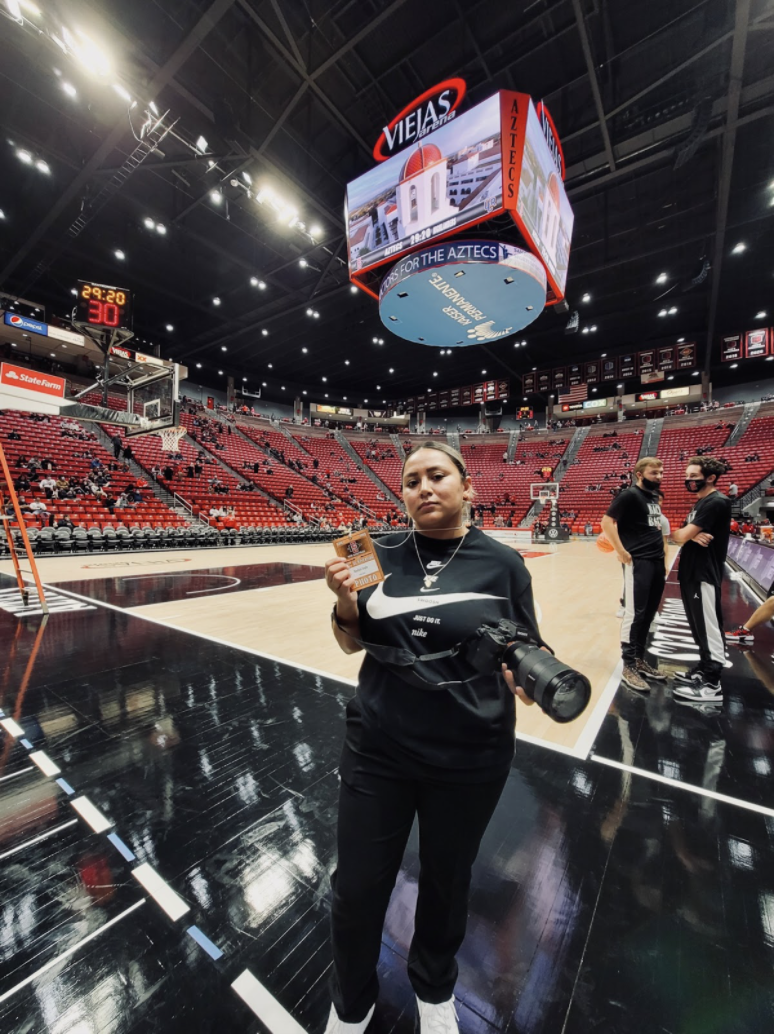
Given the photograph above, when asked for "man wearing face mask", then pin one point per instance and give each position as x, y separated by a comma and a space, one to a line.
704, 540
633, 526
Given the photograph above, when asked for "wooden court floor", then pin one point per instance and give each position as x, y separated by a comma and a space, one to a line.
576, 589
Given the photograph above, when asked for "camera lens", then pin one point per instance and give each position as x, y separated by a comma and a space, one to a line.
561, 691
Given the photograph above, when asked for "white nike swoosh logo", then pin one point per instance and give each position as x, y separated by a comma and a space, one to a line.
380, 606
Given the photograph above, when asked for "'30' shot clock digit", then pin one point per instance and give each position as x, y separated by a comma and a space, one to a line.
103, 307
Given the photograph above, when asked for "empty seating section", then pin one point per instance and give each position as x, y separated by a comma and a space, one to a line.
587, 487
506, 485
267, 471
282, 467
344, 477
758, 440
72, 456
385, 464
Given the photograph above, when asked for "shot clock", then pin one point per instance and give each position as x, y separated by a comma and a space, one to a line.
109, 308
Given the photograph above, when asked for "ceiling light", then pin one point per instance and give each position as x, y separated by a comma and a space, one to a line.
326, 394
265, 332
586, 297
770, 358
734, 366
270, 366
695, 373
148, 223
435, 373
124, 94
309, 312
120, 255
346, 362
24, 156
760, 315
391, 370
305, 350
302, 263
671, 377
74, 291
585, 330
662, 312
263, 384
216, 301
254, 281
303, 393
42, 166
13, 9
246, 176
483, 373
352, 289
153, 107
283, 388
325, 378
593, 389
345, 398
680, 340
378, 387
673, 310
220, 373
161, 229
202, 145
739, 248
69, 89
223, 348
216, 196
316, 314
365, 400
170, 328
593, 328
210, 165
620, 385
244, 378
52, 354
661, 278
316, 231
93, 59
604, 355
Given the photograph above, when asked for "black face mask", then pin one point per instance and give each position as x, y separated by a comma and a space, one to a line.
650, 486
695, 486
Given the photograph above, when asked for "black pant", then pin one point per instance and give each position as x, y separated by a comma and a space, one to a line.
705, 618
643, 587
377, 805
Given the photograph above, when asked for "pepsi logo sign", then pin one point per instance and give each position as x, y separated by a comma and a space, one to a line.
431, 109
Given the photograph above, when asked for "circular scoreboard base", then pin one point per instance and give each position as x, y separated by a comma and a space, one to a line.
465, 292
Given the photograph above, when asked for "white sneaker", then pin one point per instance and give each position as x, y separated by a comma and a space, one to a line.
438, 1019
337, 1026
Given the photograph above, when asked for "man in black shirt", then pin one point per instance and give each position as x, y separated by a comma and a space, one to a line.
704, 538
633, 526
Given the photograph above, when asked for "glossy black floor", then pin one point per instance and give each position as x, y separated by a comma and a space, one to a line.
727, 748
602, 902
136, 590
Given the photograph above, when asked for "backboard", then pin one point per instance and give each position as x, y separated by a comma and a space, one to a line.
545, 491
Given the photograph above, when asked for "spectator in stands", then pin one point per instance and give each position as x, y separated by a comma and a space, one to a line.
128, 451
37, 506
64, 522
169, 472
22, 483
62, 484
48, 464
48, 484
116, 440
733, 491
14, 436
109, 502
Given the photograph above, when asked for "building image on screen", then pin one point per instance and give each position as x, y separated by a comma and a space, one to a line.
448, 179
542, 205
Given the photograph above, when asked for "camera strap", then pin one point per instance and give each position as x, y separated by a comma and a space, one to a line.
403, 663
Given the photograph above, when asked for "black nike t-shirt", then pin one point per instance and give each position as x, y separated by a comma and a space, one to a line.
706, 563
466, 729
638, 516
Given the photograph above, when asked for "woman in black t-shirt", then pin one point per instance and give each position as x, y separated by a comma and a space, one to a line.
440, 753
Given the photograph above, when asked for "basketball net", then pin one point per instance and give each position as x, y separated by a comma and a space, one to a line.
170, 437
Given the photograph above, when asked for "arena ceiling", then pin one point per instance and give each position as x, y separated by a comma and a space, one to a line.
664, 110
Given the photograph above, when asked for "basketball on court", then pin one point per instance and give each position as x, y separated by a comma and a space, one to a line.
604, 545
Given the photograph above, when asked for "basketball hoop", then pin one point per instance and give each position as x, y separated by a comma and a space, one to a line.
170, 437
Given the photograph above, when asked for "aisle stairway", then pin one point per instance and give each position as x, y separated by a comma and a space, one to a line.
651, 438
748, 415
361, 465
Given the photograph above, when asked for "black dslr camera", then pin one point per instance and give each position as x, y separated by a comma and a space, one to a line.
561, 691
